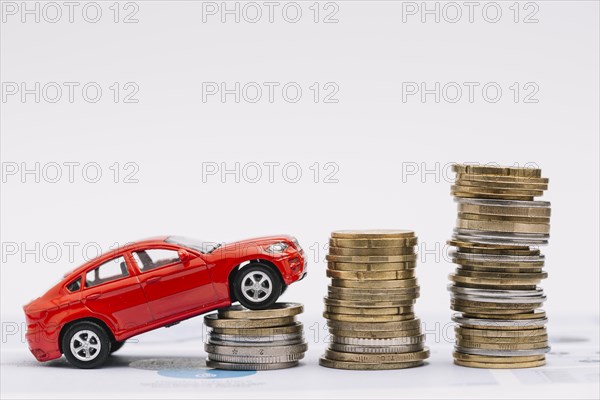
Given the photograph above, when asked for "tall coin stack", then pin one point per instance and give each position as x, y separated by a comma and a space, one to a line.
494, 289
242, 339
369, 305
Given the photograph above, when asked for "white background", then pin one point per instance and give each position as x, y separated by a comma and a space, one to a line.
371, 136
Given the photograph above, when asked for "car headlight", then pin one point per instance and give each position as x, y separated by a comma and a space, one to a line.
277, 247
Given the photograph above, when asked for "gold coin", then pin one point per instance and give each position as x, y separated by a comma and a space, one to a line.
377, 291
498, 178
495, 286
399, 266
496, 191
537, 314
499, 171
501, 268
501, 275
371, 259
482, 304
277, 330
501, 218
520, 185
372, 234
368, 311
371, 276
368, 326
502, 226
368, 304
500, 283
507, 328
496, 334
368, 318
396, 283
497, 365
367, 366
384, 251
377, 358
463, 244
501, 346
406, 300
276, 310
376, 334
533, 212
498, 263
498, 312
497, 359
485, 339
212, 321
373, 243
467, 195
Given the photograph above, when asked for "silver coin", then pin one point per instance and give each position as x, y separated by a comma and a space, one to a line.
507, 300
458, 318
256, 339
398, 341
256, 350
502, 353
495, 257
347, 348
277, 343
255, 359
500, 242
250, 367
502, 203
500, 238
496, 292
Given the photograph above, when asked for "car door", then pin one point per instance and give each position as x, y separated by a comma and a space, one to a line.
171, 286
111, 290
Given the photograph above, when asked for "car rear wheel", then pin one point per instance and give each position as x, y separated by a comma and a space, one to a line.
257, 286
86, 345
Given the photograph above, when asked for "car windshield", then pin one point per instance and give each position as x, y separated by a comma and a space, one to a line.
195, 244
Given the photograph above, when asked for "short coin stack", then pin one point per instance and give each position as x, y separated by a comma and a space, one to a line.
494, 288
369, 306
242, 339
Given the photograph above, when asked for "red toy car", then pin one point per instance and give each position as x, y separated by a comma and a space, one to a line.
155, 283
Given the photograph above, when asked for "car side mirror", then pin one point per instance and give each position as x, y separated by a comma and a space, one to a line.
184, 255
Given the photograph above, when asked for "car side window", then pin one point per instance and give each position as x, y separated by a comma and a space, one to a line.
75, 285
106, 272
150, 259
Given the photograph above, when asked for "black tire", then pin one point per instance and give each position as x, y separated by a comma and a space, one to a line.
115, 346
97, 349
267, 280
283, 289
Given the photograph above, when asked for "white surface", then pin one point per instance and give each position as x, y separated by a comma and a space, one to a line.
370, 134
572, 371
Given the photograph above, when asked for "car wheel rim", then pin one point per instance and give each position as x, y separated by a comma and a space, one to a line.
257, 286
85, 345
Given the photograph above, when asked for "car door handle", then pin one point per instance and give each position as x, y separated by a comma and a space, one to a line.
93, 296
154, 279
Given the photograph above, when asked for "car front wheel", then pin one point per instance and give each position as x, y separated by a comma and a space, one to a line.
86, 345
257, 286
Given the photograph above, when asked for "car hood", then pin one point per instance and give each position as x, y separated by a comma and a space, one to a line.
254, 242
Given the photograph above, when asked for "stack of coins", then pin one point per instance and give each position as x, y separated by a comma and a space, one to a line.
369, 306
494, 288
242, 339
